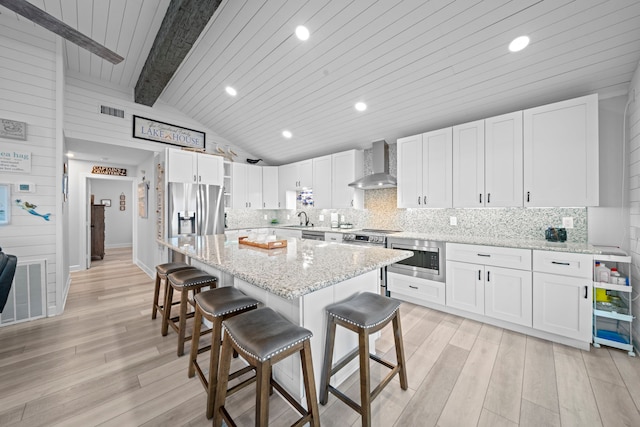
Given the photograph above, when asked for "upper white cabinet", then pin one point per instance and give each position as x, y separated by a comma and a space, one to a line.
270, 187
291, 177
487, 162
346, 167
246, 186
196, 168
322, 182
561, 153
424, 170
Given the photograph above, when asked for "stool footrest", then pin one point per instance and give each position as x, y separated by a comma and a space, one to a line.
291, 400
340, 395
344, 361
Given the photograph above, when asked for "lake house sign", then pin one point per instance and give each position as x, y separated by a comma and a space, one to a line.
166, 133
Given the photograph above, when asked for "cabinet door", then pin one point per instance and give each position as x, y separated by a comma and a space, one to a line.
182, 166
561, 153
270, 187
437, 161
410, 172
287, 177
503, 160
562, 305
210, 169
468, 165
254, 186
239, 186
465, 286
322, 182
305, 174
347, 167
507, 295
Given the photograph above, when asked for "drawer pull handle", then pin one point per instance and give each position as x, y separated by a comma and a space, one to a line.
479, 275
488, 273
560, 263
586, 291
485, 255
413, 287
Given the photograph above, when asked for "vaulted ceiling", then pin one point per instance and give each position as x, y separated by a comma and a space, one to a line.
419, 65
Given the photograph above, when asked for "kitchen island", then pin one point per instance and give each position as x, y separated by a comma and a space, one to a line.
298, 281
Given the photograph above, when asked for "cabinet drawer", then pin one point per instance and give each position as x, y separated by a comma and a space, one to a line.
414, 287
564, 263
490, 255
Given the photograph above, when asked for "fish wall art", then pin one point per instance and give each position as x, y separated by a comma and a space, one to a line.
29, 207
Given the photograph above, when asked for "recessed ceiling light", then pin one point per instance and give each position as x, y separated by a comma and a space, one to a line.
69, 154
231, 91
518, 43
302, 32
286, 134
361, 106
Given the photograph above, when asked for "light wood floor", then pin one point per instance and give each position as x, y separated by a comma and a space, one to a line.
104, 362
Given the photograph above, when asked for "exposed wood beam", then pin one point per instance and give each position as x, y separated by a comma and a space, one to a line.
42, 18
181, 27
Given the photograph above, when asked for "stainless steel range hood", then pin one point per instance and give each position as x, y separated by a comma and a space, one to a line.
380, 177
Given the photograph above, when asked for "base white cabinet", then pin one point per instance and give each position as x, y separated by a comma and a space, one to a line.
492, 281
562, 295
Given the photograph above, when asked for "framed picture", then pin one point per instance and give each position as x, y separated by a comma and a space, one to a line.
106, 202
5, 209
13, 129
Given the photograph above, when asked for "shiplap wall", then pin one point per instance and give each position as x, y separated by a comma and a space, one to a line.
633, 136
28, 94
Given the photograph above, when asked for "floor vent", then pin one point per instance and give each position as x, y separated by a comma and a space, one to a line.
110, 111
27, 299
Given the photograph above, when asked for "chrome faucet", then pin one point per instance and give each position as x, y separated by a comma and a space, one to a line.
306, 218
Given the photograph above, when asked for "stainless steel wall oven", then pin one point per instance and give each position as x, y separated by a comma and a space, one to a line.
427, 262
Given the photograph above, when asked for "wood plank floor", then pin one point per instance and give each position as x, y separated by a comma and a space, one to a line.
104, 362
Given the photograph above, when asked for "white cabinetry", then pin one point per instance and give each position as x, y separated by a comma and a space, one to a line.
561, 153
270, 187
487, 162
333, 237
415, 289
246, 186
322, 182
292, 177
346, 167
195, 168
562, 294
424, 170
492, 281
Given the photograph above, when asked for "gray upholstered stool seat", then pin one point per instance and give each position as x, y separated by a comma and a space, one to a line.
364, 313
263, 337
184, 281
216, 305
162, 271
364, 310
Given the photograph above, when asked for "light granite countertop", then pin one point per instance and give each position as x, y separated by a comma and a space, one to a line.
582, 248
304, 266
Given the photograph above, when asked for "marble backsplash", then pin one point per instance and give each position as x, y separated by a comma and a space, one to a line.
381, 212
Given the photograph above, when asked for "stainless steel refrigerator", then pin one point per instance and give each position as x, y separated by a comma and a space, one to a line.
194, 209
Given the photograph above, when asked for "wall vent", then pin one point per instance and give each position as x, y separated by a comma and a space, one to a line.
27, 299
111, 111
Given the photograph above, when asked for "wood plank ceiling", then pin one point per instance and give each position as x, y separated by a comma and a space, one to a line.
419, 65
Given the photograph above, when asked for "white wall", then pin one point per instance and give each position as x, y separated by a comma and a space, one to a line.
118, 223
633, 163
28, 82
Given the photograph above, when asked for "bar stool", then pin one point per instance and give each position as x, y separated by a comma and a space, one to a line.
365, 313
216, 305
162, 271
184, 281
263, 338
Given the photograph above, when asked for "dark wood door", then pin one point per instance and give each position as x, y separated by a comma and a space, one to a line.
97, 231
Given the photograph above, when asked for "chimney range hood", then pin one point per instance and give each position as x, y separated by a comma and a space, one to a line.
380, 177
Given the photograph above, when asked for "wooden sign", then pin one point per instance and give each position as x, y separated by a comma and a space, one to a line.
13, 129
14, 161
107, 170
166, 133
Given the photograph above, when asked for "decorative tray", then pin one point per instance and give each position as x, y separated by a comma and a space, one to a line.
274, 244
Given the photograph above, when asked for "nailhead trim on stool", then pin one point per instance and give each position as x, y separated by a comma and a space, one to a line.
364, 313
217, 305
184, 281
162, 271
263, 337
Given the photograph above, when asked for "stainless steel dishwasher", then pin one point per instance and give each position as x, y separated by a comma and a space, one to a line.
313, 235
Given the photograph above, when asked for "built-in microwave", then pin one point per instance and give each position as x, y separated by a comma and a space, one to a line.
427, 262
